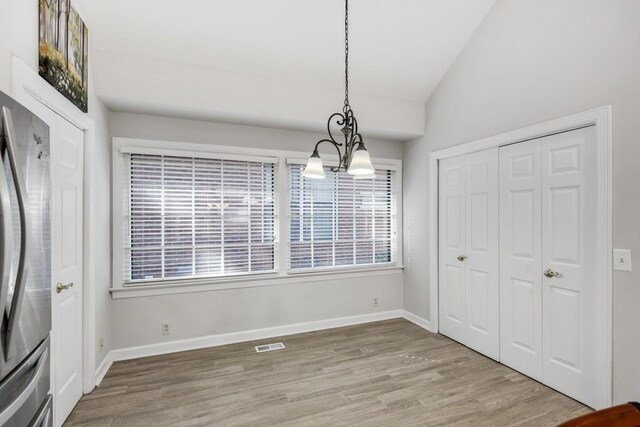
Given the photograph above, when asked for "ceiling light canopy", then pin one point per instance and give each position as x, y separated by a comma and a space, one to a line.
355, 158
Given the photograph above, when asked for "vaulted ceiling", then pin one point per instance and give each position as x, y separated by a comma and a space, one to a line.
277, 62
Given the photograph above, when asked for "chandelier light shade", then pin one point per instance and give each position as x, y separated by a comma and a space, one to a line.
360, 162
355, 159
314, 167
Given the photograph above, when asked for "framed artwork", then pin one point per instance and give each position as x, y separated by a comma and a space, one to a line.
63, 56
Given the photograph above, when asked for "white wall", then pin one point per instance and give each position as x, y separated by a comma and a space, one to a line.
126, 125
100, 172
5, 59
11, 39
19, 37
531, 61
137, 321
130, 83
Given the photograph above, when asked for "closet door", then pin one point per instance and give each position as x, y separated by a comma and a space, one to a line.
452, 240
481, 262
520, 258
571, 303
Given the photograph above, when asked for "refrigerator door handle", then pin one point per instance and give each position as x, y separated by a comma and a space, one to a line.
6, 234
25, 247
28, 390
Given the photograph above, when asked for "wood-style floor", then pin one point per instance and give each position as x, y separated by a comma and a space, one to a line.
389, 373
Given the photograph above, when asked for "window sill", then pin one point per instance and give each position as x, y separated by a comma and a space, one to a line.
268, 279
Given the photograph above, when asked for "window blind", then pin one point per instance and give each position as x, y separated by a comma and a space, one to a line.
189, 217
341, 221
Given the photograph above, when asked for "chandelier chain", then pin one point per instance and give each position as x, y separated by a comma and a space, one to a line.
346, 56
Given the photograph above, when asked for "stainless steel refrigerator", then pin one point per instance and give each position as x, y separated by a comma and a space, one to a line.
25, 267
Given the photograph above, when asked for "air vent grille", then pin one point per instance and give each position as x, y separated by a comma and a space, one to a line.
269, 347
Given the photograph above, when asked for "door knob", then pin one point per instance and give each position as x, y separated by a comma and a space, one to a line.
60, 287
550, 273
461, 258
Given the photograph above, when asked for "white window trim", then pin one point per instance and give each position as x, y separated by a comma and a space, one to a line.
281, 158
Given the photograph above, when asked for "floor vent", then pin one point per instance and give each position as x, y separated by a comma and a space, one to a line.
269, 347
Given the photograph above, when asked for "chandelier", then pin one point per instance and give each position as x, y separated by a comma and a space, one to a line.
355, 159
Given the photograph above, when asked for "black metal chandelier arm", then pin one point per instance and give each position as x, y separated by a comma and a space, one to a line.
340, 122
335, 144
353, 143
354, 124
347, 113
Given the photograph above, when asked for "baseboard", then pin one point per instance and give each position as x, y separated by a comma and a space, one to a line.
420, 321
103, 368
251, 335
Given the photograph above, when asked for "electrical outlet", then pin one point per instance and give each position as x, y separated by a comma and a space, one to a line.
166, 329
375, 302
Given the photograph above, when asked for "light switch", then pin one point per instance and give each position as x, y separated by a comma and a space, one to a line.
622, 259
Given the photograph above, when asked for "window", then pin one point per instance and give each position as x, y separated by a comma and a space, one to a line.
341, 221
191, 217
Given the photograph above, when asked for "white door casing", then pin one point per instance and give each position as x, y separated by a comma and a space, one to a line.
570, 299
452, 243
67, 263
520, 258
481, 263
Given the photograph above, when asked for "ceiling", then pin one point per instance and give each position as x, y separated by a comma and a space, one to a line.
399, 51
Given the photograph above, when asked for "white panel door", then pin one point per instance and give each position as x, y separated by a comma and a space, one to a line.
481, 262
67, 219
452, 240
570, 295
67, 159
520, 258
